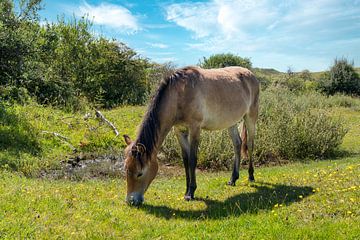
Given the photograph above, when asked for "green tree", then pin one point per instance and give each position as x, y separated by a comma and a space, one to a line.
342, 78
64, 63
18, 31
225, 60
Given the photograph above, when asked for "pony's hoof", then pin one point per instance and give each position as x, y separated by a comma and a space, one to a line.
251, 179
231, 183
188, 198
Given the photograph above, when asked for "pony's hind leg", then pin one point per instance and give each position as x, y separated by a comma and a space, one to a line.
236, 140
183, 139
250, 121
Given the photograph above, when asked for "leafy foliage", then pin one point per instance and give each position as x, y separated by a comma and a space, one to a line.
65, 64
342, 78
225, 60
17, 35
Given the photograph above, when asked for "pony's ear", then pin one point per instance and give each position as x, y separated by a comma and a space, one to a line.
141, 148
127, 139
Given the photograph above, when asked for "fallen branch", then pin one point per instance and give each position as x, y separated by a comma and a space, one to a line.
62, 138
101, 116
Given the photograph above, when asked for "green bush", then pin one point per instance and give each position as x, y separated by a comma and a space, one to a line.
64, 64
295, 127
290, 126
225, 60
342, 78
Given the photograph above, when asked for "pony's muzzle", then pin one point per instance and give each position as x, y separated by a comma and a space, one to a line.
135, 199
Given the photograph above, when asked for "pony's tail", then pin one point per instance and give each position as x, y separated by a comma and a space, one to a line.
244, 146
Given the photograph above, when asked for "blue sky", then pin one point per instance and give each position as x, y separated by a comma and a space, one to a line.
278, 34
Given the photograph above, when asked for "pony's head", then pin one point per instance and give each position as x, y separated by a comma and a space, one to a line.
140, 171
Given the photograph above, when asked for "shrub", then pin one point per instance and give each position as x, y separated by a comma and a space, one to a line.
225, 60
157, 72
290, 126
342, 78
293, 127
64, 63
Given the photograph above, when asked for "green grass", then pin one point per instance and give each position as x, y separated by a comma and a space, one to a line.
315, 200
319, 200
25, 146
351, 142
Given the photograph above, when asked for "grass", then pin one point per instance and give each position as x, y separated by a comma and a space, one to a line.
26, 146
315, 200
319, 200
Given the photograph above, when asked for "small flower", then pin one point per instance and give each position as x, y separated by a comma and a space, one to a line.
301, 196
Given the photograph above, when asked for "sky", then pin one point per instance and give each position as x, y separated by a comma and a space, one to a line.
280, 34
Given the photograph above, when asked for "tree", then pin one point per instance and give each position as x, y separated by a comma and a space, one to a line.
17, 34
342, 78
64, 64
225, 60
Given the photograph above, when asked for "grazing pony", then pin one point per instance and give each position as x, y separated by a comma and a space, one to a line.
192, 99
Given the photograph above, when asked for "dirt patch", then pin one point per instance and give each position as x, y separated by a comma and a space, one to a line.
90, 166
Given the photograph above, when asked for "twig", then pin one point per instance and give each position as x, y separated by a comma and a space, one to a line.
99, 115
62, 138
57, 135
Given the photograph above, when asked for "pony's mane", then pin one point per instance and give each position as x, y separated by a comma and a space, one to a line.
149, 129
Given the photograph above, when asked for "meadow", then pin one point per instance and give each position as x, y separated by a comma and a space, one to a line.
61, 162
302, 200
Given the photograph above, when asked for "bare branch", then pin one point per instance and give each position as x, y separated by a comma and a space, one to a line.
101, 116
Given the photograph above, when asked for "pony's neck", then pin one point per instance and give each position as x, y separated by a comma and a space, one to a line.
157, 122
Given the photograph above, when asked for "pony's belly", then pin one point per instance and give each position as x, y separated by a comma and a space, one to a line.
219, 123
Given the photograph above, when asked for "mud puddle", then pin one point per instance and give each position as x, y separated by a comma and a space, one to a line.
88, 167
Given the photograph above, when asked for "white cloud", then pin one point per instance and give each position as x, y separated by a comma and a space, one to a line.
199, 18
110, 15
157, 45
216, 17
274, 28
164, 59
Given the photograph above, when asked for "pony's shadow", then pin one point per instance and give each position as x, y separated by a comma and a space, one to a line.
264, 198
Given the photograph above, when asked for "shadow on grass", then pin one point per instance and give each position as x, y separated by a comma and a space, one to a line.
264, 198
16, 133
17, 136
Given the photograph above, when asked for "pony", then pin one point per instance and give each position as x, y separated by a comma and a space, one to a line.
192, 99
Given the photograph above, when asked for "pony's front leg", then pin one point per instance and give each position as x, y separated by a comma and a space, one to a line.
194, 145
183, 139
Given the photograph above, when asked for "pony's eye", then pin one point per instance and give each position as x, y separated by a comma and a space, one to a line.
139, 175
